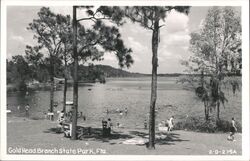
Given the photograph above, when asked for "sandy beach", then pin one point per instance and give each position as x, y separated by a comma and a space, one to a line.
30, 134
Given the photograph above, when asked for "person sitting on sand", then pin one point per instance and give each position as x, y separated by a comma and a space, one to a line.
45, 114
161, 124
61, 116
145, 124
233, 129
109, 125
119, 125
61, 120
171, 123
55, 104
121, 113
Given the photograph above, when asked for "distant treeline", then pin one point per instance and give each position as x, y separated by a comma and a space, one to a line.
109, 71
21, 73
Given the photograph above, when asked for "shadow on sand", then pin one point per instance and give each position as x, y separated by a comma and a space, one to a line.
117, 137
168, 140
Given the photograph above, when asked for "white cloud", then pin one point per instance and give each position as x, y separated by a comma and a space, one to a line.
64, 10
173, 45
109, 57
68, 10
161, 59
174, 37
136, 59
177, 39
165, 53
137, 46
17, 38
176, 22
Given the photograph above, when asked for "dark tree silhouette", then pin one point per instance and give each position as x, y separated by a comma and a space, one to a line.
150, 18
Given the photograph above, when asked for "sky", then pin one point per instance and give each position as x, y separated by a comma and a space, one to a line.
173, 46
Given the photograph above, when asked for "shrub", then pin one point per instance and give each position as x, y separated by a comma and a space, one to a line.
224, 126
200, 125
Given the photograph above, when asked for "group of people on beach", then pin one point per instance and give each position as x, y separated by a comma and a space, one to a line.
169, 124
26, 108
118, 111
107, 126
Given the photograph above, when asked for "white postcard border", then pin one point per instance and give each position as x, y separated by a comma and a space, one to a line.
245, 78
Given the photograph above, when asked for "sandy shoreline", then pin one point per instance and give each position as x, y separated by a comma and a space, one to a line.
33, 134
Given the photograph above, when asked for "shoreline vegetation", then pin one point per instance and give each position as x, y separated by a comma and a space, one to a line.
43, 86
101, 74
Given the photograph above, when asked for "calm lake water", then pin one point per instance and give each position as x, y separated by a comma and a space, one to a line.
130, 93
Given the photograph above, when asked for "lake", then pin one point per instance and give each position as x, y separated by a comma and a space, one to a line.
130, 93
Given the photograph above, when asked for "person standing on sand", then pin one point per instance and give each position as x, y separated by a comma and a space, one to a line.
126, 111
27, 107
171, 123
233, 129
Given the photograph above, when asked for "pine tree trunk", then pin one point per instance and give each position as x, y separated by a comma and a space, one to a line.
206, 111
155, 42
218, 99
51, 94
218, 112
65, 87
202, 79
75, 85
65, 83
51, 83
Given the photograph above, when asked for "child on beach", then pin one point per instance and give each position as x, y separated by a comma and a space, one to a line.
233, 129
27, 107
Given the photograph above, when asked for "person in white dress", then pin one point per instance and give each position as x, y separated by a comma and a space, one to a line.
171, 123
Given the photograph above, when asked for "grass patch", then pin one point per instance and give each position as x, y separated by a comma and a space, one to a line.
198, 124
